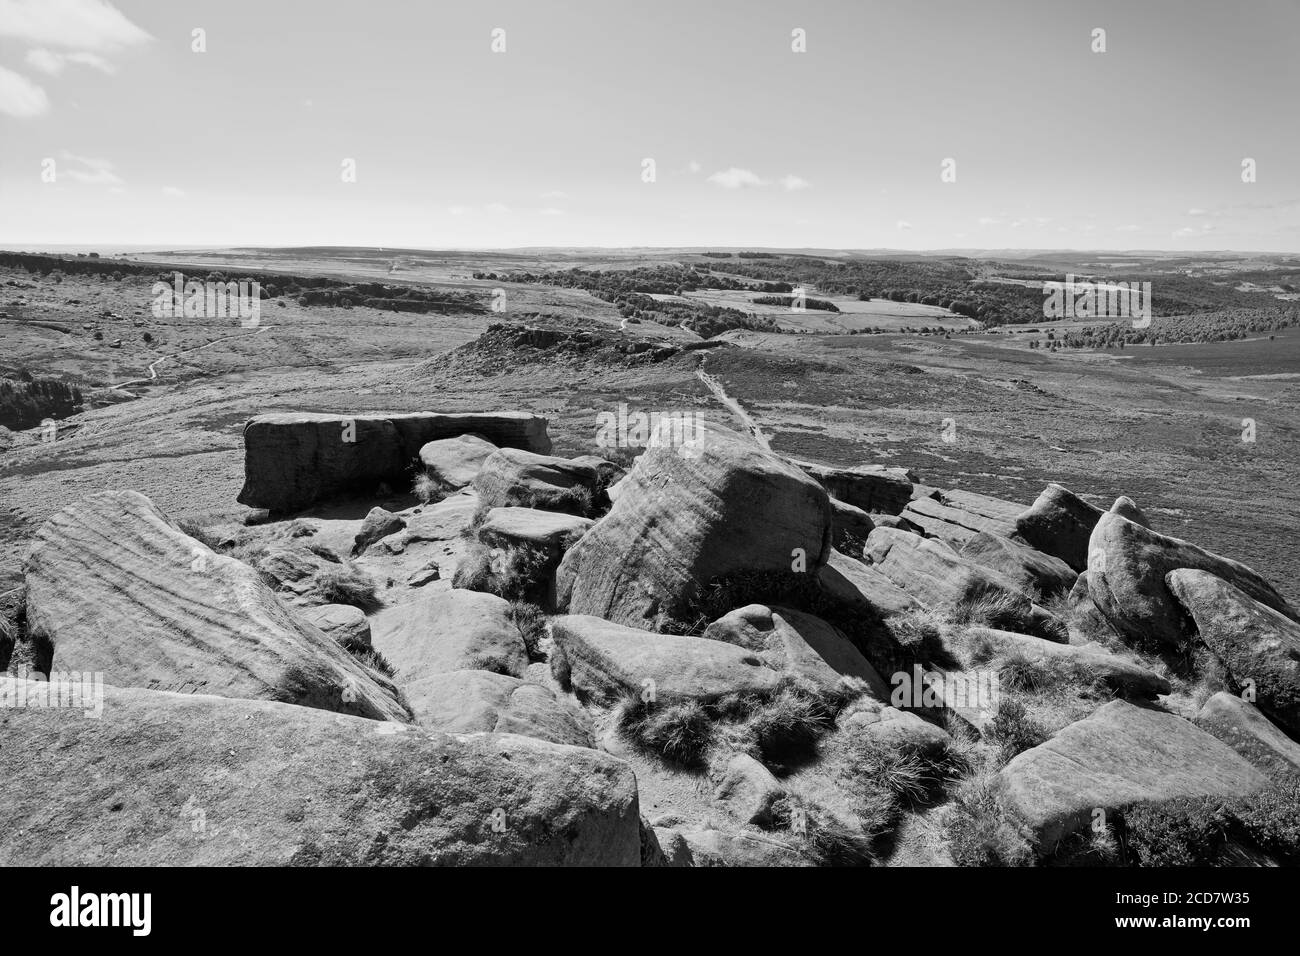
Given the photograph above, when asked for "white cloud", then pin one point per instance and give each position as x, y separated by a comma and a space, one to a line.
734, 178
550, 211
693, 166
497, 208
1188, 231
53, 63
555, 194
76, 24
1196, 212
173, 191
21, 97
903, 224
458, 210
97, 172
989, 221
793, 182
1130, 227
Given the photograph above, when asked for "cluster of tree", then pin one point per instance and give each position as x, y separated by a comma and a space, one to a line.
705, 321
1224, 326
609, 285
788, 300
26, 401
717, 255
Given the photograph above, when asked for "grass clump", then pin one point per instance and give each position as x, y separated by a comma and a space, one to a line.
371, 658
681, 733
514, 573
531, 621
819, 834
1013, 730
426, 490
986, 605
782, 728
979, 832
347, 584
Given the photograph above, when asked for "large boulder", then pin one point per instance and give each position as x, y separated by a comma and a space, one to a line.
1258, 646
873, 488
181, 780
475, 701
1033, 571
683, 521
1126, 578
932, 572
511, 477
1121, 755
549, 531
1059, 523
453, 463
378, 524
863, 588
450, 630
348, 626
790, 640
1242, 727
1084, 621
745, 788
114, 587
293, 460
604, 661
850, 525
953, 524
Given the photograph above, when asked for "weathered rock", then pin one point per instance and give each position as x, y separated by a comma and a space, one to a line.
849, 525
1118, 673
1127, 507
894, 728
863, 587
447, 631
345, 624
379, 523
1122, 754
1059, 523
294, 460
1126, 579
198, 780
424, 575
998, 510
475, 701
115, 587
682, 522
1033, 571
605, 661
1254, 642
1083, 619
453, 463
510, 477
444, 521
790, 640
746, 789
293, 569
873, 488
953, 525
932, 572
710, 847
1242, 727
551, 531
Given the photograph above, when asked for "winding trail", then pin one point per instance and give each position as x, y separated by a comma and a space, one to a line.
720, 393
153, 373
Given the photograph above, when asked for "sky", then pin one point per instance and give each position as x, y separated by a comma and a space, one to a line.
544, 143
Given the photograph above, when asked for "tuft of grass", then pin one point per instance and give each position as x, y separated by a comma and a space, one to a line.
919, 633
371, 658
1013, 730
680, 733
347, 584
979, 832
531, 621
985, 605
1181, 832
782, 727
824, 838
426, 490
516, 574
492, 663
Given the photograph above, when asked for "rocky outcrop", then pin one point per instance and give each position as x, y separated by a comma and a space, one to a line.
476, 701
293, 460
1259, 647
114, 587
1119, 674
1032, 571
682, 522
1126, 579
790, 640
1242, 727
746, 789
450, 630
932, 572
849, 525
453, 463
863, 588
873, 488
511, 477
345, 624
379, 523
1059, 523
1128, 508
604, 661
183, 780
1121, 755
954, 525
550, 531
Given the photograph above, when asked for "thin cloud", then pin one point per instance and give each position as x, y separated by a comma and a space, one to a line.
174, 192
550, 211
693, 166
793, 182
555, 194
96, 172
1129, 227
20, 97
903, 224
53, 63
735, 178
76, 24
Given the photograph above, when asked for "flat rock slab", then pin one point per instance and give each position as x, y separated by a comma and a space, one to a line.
474, 701
115, 587
873, 488
552, 531
1255, 643
1033, 571
454, 462
1246, 730
1126, 579
293, 460
449, 630
861, 586
1121, 755
180, 780
511, 477
952, 524
1115, 671
931, 571
606, 660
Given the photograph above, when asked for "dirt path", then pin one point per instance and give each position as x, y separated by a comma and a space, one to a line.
720, 393
153, 374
